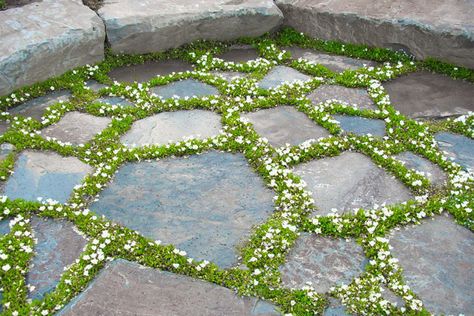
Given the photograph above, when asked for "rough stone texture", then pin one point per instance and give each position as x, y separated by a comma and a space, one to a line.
349, 181
358, 98
433, 172
361, 125
118, 101
437, 258
94, 85
58, 246
458, 147
46, 175
4, 227
126, 288
323, 261
228, 75
438, 28
335, 308
45, 39
157, 25
285, 125
239, 54
427, 95
36, 107
185, 88
149, 70
5, 150
280, 75
172, 127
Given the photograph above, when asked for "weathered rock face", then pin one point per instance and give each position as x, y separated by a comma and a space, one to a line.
437, 28
156, 25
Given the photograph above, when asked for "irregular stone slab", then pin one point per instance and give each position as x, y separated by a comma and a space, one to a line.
185, 88
239, 54
323, 261
5, 150
285, 125
361, 125
280, 75
228, 75
36, 107
438, 28
94, 85
458, 147
427, 95
36, 35
358, 98
172, 127
128, 288
76, 128
433, 172
4, 228
58, 246
335, 308
350, 181
149, 70
46, 175
437, 258
119, 101
335, 63
205, 204
157, 25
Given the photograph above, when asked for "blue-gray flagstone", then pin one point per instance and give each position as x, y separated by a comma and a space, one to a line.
36, 107
458, 147
280, 75
185, 88
4, 227
5, 150
361, 125
431, 171
119, 101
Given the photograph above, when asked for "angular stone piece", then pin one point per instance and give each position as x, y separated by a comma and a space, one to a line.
361, 125
149, 70
46, 175
172, 127
349, 181
118, 101
239, 54
285, 124
437, 28
358, 98
58, 246
157, 25
76, 128
205, 204
427, 95
228, 75
335, 308
5, 150
36, 107
94, 85
433, 172
437, 258
185, 88
280, 75
324, 261
4, 227
38, 44
458, 147
128, 288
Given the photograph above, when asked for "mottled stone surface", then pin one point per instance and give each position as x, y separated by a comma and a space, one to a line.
38, 44
280, 75
324, 261
149, 70
128, 288
437, 258
361, 125
46, 175
4, 227
285, 125
57, 247
94, 85
157, 25
335, 308
228, 75
458, 147
172, 127
349, 181
239, 54
185, 88
36, 107
358, 98
5, 150
205, 204
428, 95
118, 101
76, 128
433, 172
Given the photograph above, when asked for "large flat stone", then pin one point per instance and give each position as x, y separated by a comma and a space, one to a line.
185, 89
205, 204
433, 172
458, 147
149, 70
239, 54
437, 258
361, 125
437, 28
126, 288
35, 107
45, 39
427, 95
280, 75
358, 98
349, 181
157, 25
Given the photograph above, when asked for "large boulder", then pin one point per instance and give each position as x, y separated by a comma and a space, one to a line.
439, 28
45, 39
157, 25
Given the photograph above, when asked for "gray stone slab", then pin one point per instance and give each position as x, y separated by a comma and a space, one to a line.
239, 54
185, 88
3, 127
36, 107
335, 308
428, 95
4, 228
76, 128
458, 147
118, 101
280, 75
126, 288
433, 172
46, 175
10, 4
5, 150
355, 97
58, 246
94, 85
437, 258
228, 75
285, 125
172, 127
149, 70
350, 181
361, 125
205, 204
323, 261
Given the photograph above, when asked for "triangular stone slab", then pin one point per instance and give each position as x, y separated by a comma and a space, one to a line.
458, 147
434, 173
